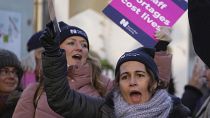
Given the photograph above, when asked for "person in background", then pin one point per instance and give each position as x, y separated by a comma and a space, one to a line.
31, 63
203, 109
10, 77
137, 91
83, 75
193, 90
198, 90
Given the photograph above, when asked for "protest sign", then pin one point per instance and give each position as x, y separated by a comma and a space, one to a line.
141, 18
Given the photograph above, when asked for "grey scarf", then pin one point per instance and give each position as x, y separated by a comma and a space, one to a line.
157, 107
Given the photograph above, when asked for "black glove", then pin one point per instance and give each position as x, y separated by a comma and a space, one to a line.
50, 41
161, 46
164, 38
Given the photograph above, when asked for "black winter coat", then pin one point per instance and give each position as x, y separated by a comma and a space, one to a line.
199, 20
191, 97
72, 104
9, 107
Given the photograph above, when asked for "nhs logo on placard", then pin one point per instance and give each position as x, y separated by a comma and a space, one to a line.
127, 27
124, 22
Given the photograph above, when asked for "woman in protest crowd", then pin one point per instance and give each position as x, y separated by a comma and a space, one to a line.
84, 75
31, 63
199, 25
10, 77
195, 91
137, 92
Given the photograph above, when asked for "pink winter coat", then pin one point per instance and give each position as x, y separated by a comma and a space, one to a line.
28, 78
163, 61
80, 81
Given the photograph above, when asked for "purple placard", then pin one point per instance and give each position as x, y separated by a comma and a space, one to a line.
141, 18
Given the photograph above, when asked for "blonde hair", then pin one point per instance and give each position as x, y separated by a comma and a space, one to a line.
96, 82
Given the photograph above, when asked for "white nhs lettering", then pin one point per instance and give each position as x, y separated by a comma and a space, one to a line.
124, 23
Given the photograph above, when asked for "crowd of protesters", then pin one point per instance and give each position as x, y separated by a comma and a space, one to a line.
60, 78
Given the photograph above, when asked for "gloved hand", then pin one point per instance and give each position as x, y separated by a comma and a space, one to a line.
198, 79
50, 41
164, 38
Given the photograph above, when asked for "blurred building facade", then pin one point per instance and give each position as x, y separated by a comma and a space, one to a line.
23, 9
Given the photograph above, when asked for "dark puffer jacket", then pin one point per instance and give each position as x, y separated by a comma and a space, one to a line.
72, 104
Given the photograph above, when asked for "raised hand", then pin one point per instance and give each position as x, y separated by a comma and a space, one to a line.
164, 34
50, 41
164, 38
197, 79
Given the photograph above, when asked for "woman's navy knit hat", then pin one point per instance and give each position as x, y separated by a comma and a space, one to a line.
142, 55
68, 31
8, 58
